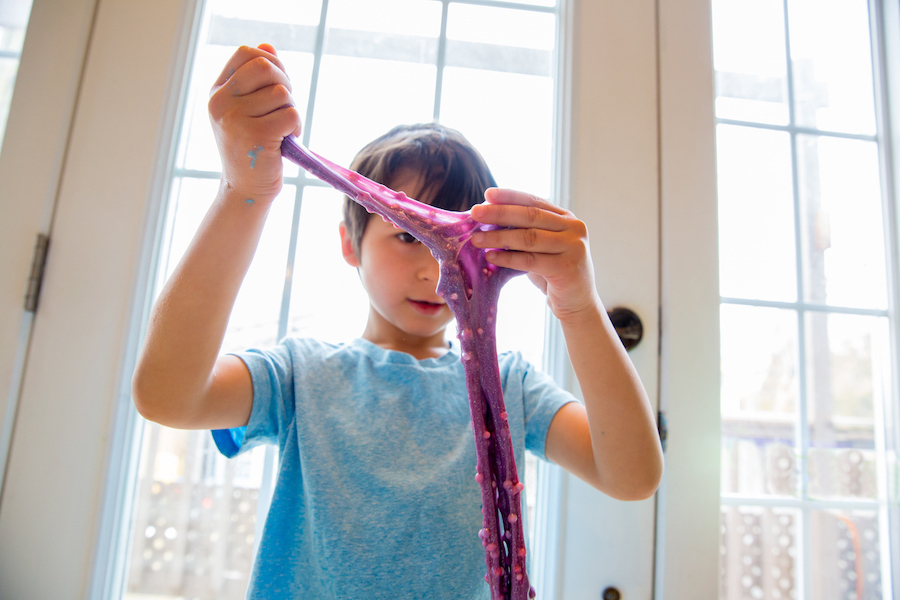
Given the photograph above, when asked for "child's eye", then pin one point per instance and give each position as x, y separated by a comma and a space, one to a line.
407, 238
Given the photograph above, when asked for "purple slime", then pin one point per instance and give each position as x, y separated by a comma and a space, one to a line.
471, 287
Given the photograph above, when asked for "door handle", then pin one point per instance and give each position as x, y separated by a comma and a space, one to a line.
611, 593
628, 326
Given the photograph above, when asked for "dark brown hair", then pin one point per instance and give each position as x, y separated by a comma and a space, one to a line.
453, 174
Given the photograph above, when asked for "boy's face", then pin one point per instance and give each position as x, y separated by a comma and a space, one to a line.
400, 277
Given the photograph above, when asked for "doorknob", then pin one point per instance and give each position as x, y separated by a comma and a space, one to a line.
611, 593
628, 326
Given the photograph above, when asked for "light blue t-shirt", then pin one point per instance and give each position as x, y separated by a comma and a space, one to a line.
376, 494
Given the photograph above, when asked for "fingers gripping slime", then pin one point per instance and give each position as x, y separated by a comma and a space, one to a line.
471, 287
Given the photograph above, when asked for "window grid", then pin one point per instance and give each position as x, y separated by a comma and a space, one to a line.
803, 503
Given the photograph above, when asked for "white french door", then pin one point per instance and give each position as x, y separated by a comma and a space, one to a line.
88, 166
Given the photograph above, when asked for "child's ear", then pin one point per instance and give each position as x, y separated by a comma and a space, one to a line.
347, 247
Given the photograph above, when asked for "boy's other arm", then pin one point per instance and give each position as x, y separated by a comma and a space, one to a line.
611, 441
180, 380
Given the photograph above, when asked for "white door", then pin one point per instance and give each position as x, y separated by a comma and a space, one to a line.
636, 163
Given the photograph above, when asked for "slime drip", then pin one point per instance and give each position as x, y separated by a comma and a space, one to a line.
471, 286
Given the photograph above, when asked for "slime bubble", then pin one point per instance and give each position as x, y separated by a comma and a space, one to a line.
471, 286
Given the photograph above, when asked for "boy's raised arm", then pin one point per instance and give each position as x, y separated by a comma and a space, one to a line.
611, 442
180, 380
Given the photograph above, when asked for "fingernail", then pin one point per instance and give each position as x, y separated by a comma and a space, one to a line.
478, 237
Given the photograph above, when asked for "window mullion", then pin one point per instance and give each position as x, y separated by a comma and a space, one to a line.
804, 558
441, 60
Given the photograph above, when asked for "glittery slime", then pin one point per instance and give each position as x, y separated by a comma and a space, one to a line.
471, 287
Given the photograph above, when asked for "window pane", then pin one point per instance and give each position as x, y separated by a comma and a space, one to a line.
396, 17
189, 201
759, 400
485, 107
756, 214
759, 553
520, 320
832, 65
750, 85
845, 554
14, 16
841, 202
847, 361
759, 361
254, 320
498, 90
193, 530
359, 99
197, 145
501, 26
537, 2
327, 300
257, 309
271, 12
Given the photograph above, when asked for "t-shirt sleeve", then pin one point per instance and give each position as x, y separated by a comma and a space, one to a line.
271, 372
542, 398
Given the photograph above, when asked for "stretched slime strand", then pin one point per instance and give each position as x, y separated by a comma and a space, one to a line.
471, 287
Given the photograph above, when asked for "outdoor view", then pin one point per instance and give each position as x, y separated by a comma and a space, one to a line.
806, 378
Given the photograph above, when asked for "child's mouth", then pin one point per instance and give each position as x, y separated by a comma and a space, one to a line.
426, 308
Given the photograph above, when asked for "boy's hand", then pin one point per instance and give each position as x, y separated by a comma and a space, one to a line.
252, 111
546, 241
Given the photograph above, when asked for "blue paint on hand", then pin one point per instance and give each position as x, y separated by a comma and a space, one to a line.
249, 201
253, 153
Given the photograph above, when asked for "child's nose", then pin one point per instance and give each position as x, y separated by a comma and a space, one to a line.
430, 269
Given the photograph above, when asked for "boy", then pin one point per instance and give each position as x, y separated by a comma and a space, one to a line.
376, 496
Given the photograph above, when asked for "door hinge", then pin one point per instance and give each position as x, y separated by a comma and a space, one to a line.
663, 428
38, 260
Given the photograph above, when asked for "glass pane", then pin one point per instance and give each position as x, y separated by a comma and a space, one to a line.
832, 65
537, 2
759, 553
505, 108
848, 366
257, 309
339, 314
509, 133
759, 400
197, 145
396, 17
840, 194
189, 201
193, 529
359, 99
750, 61
254, 320
271, 12
846, 555
520, 320
9, 67
501, 26
14, 16
756, 214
